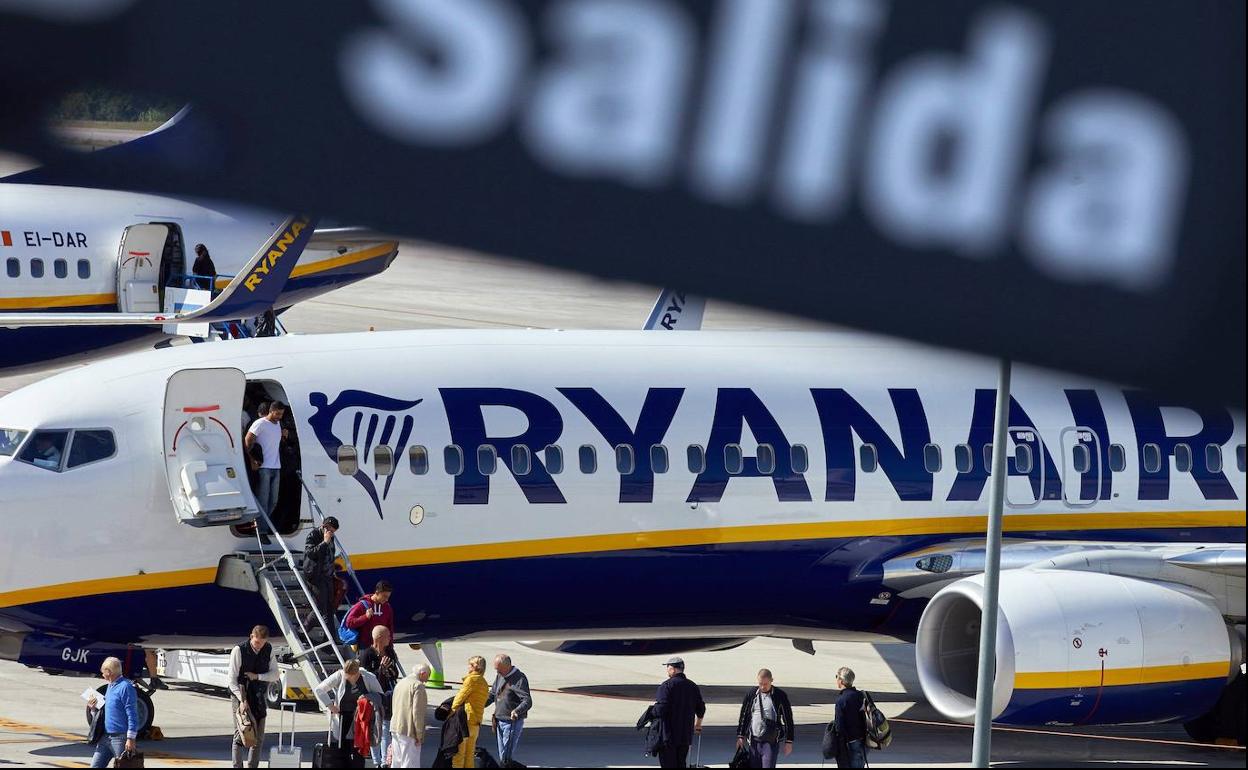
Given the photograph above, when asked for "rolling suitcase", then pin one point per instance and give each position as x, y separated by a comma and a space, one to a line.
284, 755
328, 754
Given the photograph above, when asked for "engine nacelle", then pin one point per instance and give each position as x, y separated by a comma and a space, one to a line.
1078, 648
636, 646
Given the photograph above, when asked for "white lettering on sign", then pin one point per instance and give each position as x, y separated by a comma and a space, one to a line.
783, 112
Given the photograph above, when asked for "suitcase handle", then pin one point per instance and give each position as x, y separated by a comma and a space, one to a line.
281, 724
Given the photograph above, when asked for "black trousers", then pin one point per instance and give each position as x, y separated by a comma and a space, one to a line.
674, 756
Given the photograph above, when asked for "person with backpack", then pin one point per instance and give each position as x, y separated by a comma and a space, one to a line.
679, 706
766, 719
370, 612
850, 721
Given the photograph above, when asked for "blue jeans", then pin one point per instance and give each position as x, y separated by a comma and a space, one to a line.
508, 734
110, 746
379, 750
267, 488
854, 755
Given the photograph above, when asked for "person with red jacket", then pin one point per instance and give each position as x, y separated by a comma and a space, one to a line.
372, 611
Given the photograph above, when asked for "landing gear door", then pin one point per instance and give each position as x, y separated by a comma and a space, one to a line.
203, 443
138, 268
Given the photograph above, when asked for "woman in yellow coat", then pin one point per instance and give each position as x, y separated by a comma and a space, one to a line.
471, 698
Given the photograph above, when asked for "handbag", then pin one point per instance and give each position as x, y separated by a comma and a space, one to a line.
129, 759
350, 635
771, 727
246, 728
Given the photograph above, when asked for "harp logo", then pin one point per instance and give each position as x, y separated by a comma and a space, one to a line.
364, 421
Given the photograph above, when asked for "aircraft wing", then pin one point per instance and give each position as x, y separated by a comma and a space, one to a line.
251, 292
344, 238
676, 311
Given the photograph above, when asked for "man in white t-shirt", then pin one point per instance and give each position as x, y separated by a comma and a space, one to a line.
267, 432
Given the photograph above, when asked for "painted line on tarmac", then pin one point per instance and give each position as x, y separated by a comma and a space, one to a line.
50, 734
1060, 734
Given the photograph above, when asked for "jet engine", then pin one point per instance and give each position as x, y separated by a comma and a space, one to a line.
1078, 648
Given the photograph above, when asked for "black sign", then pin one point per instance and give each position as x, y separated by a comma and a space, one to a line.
1060, 182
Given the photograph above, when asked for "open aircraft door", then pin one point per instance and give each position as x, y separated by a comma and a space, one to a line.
138, 268
203, 443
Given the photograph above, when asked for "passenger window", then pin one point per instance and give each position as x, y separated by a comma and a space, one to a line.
1081, 458
1239, 457
1213, 458
868, 458
554, 460
588, 459
453, 460
1117, 458
487, 459
36, 268
84, 269
418, 460
1152, 458
625, 460
766, 458
658, 458
46, 449
696, 456
60, 268
1183, 458
521, 460
91, 446
801, 458
383, 460
14, 267
734, 460
10, 440
348, 460
963, 458
932, 460
1023, 458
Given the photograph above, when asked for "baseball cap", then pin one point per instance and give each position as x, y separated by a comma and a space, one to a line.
676, 661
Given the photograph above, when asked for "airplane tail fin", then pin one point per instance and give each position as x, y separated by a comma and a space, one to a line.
185, 142
676, 311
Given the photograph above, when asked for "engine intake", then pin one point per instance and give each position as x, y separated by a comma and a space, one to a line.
1078, 648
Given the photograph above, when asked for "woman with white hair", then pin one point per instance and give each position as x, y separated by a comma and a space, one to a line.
121, 715
407, 723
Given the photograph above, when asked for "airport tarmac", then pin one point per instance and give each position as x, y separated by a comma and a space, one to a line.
585, 709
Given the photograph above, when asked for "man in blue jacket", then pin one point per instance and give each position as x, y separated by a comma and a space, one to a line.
851, 723
121, 715
680, 707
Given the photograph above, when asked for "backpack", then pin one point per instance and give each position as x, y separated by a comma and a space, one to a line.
879, 732
350, 635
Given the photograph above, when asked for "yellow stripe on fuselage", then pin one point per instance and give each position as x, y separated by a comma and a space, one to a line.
632, 541
61, 301
1118, 677
350, 258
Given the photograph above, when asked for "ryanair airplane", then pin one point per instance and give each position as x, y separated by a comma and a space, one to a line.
645, 492
84, 269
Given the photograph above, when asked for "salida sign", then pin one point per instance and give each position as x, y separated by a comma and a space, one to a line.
1060, 182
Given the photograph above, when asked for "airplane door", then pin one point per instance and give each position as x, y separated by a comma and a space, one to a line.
1025, 483
203, 444
138, 268
1081, 466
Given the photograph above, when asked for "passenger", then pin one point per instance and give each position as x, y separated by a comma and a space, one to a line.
121, 715
471, 697
679, 704
251, 669
319, 552
851, 723
204, 270
512, 701
372, 611
46, 453
343, 689
407, 723
267, 432
766, 718
380, 659
150, 660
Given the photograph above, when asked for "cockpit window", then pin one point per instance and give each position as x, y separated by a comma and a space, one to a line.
91, 446
46, 449
10, 440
